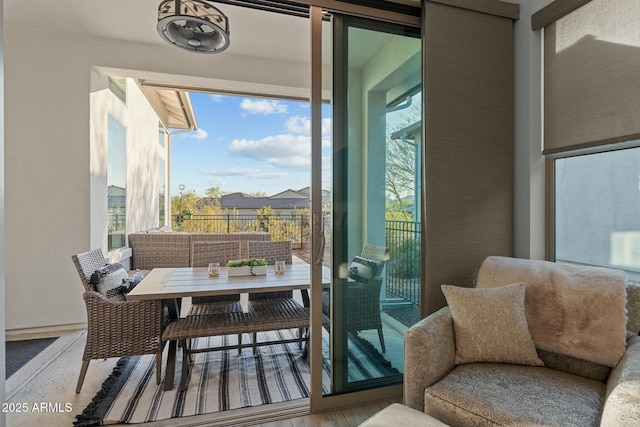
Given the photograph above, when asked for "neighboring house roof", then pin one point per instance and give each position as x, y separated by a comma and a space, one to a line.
116, 197
235, 195
288, 199
261, 202
290, 194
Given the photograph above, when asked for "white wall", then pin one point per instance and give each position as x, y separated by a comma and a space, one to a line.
48, 197
2, 222
529, 170
143, 154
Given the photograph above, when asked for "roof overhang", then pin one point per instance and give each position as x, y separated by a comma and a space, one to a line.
173, 107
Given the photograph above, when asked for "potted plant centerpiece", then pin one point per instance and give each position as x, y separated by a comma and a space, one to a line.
247, 267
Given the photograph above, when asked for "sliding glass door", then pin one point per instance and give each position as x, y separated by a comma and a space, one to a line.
375, 243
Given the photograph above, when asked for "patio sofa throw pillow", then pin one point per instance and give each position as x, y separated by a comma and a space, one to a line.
111, 281
362, 270
490, 325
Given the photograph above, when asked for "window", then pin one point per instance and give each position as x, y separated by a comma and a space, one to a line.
162, 135
118, 85
161, 194
597, 209
116, 184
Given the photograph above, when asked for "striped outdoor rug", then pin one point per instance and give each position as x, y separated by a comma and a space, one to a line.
219, 381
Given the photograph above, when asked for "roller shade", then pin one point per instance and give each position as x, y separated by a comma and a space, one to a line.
468, 146
592, 76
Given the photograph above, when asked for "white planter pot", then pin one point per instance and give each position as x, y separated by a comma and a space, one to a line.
246, 270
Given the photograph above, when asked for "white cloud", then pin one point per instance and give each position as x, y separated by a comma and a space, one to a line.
263, 106
283, 151
198, 134
230, 171
246, 172
299, 124
217, 98
302, 125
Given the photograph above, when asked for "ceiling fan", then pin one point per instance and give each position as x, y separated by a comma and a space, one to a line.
193, 25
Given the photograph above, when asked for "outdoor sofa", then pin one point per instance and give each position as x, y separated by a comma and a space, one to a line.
471, 363
159, 249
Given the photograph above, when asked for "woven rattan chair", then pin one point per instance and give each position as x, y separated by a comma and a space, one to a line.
272, 252
203, 253
116, 328
279, 304
361, 307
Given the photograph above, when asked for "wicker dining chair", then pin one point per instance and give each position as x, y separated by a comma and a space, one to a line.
116, 328
361, 298
203, 253
272, 252
281, 303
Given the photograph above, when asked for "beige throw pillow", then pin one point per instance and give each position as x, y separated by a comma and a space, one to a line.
490, 325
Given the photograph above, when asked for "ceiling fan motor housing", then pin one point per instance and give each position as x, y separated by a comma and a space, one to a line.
193, 25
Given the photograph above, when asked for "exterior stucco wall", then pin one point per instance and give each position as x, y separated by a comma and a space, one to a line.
49, 209
143, 154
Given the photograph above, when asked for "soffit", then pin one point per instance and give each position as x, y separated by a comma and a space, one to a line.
173, 107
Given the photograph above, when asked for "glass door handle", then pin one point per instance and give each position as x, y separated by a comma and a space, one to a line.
320, 254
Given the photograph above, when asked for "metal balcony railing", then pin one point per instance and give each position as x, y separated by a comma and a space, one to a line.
402, 238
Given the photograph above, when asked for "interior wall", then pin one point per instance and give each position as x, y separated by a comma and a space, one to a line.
529, 164
2, 221
48, 81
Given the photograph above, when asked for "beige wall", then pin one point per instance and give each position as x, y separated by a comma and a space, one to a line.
529, 170
49, 212
2, 223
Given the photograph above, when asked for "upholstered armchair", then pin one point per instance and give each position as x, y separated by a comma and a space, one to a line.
581, 324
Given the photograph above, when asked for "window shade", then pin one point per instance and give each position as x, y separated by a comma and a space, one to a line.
468, 146
592, 76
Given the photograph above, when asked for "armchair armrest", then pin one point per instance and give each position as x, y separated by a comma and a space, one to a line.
622, 395
429, 353
129, 327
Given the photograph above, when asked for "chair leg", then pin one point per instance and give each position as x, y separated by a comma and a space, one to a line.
158, 367
83, 372
255, 340
185, 367
384, 350
301, 336
239, 344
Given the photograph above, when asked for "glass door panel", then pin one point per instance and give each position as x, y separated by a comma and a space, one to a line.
375, 211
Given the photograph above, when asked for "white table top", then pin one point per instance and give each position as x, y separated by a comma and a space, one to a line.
165, 283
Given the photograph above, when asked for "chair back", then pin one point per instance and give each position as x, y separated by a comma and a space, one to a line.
375, 253
87, 263
271, 251
202, 253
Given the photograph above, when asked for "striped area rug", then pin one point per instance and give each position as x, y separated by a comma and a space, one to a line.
219, 381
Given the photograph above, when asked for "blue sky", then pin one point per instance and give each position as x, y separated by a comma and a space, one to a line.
246, 144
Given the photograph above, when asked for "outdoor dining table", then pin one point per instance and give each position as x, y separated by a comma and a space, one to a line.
173, 284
